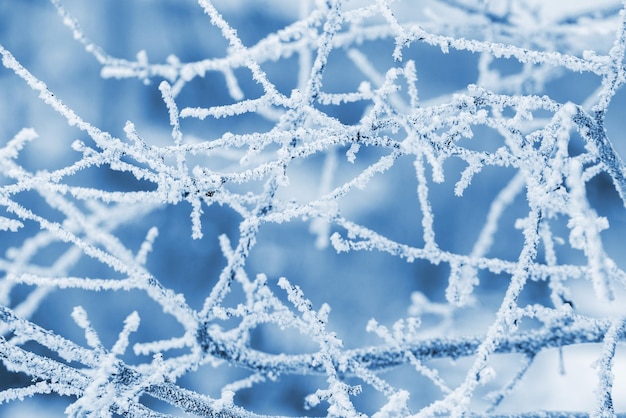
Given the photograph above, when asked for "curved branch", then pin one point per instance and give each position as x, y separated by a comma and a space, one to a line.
383, 357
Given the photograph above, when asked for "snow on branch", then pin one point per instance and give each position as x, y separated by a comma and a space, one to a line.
168, 191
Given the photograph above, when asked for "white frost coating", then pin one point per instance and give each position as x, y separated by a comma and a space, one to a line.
476, 208
146, 246
80, 317
7, 224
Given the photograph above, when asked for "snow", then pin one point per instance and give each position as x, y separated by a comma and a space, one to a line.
339, 208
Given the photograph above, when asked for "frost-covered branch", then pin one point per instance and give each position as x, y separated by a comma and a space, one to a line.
165, 230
